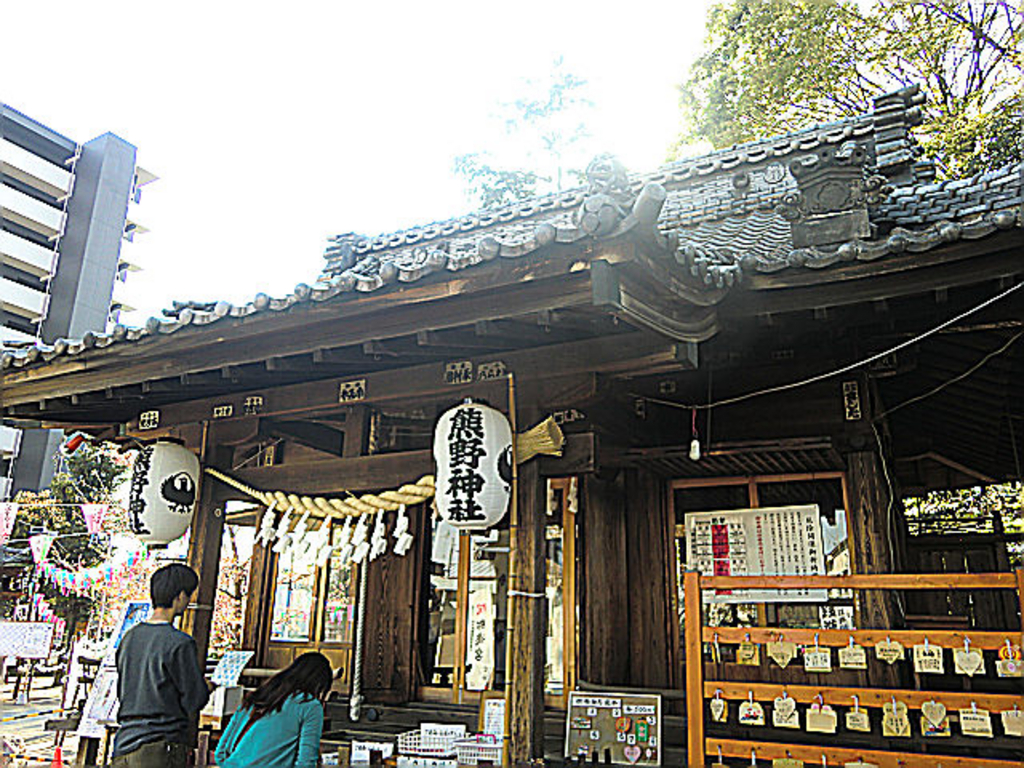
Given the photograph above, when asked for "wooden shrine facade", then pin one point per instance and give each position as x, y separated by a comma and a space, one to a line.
736, 281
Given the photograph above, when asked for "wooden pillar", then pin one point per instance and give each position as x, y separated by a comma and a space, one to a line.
257, 605
204, 550
873, 539
873, 544
649, 602
526, 692
694, 670
604, 640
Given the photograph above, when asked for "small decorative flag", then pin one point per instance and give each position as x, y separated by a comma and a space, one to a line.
8, 511
40, 544
94, 514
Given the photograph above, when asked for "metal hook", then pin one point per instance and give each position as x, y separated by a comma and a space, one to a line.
856, 703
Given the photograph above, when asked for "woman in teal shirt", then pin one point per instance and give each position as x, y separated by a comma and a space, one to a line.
280, 723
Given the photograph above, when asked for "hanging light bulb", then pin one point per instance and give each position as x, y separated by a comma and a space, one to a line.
695, 441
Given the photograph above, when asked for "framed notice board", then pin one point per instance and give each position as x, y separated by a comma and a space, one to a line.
26, 639
625, 726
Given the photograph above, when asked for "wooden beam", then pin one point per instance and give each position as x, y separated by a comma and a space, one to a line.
388, 470
613, 354
838, 638
527, 635
319, 437
644, 307
510, 289
837, 756
879, 581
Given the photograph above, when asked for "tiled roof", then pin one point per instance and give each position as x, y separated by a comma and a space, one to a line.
718, 219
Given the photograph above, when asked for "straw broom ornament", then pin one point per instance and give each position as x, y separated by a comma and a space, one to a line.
546, 438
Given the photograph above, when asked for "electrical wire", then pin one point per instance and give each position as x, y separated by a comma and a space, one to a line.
839, 371
959, 377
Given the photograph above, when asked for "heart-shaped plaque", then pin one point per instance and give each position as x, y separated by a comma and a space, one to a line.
889, 651
934, 712
784, 713
968, 662
782, 652
632, 753
719, 710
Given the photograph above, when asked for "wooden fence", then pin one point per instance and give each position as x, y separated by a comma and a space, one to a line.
699, 748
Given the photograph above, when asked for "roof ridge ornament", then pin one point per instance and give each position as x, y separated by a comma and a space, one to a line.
609, 197
834, 190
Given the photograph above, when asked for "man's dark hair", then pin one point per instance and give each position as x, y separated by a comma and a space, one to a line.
169, 582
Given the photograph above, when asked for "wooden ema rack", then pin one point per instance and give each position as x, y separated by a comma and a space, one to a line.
697, 688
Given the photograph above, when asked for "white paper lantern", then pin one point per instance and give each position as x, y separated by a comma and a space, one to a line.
473, 453
162, 499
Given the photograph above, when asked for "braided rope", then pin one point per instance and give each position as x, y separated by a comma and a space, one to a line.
351, 506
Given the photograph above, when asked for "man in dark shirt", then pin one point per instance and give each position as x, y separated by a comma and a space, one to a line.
160, 686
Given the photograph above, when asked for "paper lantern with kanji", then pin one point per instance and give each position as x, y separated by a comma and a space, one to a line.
162, 498
473, 453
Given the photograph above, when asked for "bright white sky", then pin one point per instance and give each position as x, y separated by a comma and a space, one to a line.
272, 129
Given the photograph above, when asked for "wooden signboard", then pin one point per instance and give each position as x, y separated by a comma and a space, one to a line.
769, 541
626, 727
26, 639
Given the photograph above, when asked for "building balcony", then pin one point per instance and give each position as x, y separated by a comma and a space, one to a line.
10, 335
33, 170
8, 442
22, 300
122, 298
29, 212
25, 255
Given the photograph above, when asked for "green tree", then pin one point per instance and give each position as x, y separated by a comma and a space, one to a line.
773, 66
91, 474
543, 128
980, 509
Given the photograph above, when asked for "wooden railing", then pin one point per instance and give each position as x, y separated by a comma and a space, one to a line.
698, 688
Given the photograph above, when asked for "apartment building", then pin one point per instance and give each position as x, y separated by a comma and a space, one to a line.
65, 210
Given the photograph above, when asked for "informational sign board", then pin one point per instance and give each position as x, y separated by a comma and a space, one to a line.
101, 706
771, 541
625, 726
134, 613
230, 667
26, 639
492, 714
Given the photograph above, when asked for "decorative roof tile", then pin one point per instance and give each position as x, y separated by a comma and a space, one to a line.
714, 216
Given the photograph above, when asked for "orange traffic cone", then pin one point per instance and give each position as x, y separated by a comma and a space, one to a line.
58, 758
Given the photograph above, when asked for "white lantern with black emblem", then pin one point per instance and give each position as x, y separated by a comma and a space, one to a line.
473, 453
163, 492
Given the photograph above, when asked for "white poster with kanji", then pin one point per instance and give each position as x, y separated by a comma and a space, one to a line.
771, 541
26, 639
